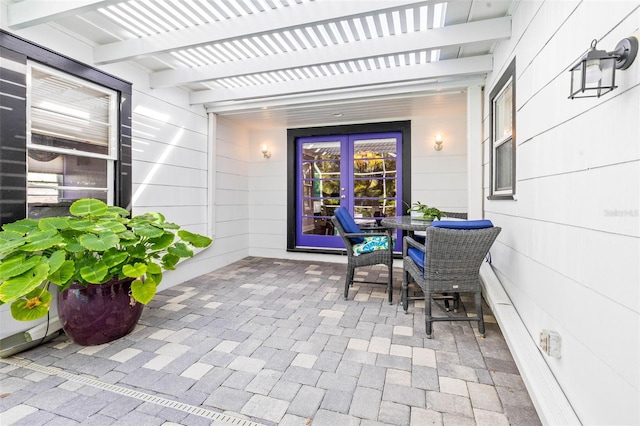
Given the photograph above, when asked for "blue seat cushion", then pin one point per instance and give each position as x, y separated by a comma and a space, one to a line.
350, 226
417, 256
462, 224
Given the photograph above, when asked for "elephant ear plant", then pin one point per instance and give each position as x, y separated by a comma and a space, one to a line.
91, 246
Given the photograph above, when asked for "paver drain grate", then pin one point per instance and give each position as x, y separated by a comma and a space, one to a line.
191, 409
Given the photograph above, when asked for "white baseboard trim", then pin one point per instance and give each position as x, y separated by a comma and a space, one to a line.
550, 402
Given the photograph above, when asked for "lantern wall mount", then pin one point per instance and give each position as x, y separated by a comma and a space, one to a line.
438, 142
265, 151
595, 74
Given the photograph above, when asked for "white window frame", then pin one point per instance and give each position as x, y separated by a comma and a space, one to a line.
505, 82
112, 150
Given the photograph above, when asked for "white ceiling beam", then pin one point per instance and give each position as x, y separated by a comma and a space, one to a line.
369, 94
34, 12
454, 67
488, 30
251, 25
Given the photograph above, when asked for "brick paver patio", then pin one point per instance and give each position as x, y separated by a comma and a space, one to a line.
273, 342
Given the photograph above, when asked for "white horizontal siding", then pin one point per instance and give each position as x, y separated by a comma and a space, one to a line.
568, 253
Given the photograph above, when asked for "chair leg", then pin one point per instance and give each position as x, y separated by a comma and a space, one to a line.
405, 291
348, 281
478, 299
427, 315
390, 284
456, 302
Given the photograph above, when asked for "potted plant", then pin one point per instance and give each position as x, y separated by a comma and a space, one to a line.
422, 211
97, 251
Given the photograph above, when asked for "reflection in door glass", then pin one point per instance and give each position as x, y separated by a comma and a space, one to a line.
320, 186
374, 177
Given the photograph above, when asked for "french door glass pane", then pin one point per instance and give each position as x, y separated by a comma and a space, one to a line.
320, 186
374, 177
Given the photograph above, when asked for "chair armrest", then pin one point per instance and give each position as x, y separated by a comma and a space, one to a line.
410, 242
376, 228
367, 234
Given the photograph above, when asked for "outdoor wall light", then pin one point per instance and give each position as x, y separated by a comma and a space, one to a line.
265, 151
438, 144
595, 74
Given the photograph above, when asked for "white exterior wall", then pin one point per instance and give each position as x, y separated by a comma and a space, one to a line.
232, 212
569, 249
439, 178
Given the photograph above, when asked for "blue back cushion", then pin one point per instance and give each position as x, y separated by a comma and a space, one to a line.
350, 226
417, 256
462, 224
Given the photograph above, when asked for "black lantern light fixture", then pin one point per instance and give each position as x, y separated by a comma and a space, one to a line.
595, 74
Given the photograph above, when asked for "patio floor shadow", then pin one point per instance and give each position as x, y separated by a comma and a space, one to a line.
273, 342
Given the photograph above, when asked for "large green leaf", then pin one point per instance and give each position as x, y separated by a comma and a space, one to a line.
161, 242
167, 225
181, 250
119, 211
157, 278
53, 223
149, 217
64, 273
134, 271
7, 245
111, 225
35, 305
169, 261
56, 260
22, 284
138, 251
95, 273
147, 230
81, 224
113, 257
153, 268
88, 207
195, 240
42, 240
72, 245
17, 265
101, 242
10, 236
127, 235
23, 226
143, 291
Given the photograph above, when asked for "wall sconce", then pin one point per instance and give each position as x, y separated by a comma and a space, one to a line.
595, 74
438, 145
265, 151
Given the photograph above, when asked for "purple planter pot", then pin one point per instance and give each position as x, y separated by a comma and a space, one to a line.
98, 313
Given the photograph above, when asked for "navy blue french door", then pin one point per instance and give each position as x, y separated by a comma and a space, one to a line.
358, 171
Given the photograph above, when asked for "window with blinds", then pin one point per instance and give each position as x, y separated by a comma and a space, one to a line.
503, 134
72, 131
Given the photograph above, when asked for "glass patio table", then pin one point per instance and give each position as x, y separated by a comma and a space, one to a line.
406, 223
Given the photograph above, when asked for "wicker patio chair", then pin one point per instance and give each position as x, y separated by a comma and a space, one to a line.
457, 215
351, 236
448, 262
